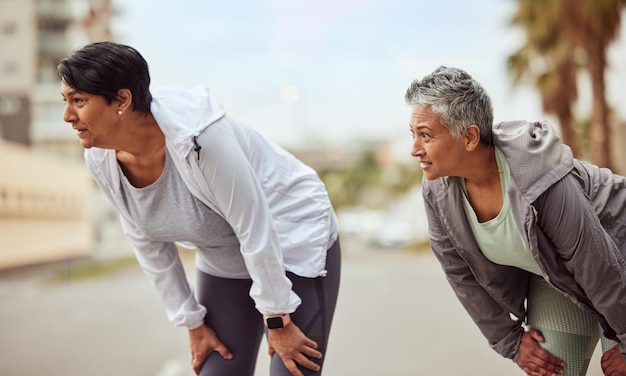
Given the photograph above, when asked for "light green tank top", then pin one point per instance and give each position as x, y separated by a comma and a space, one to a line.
499, 239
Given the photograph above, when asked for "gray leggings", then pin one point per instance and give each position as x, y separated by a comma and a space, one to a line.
232, 315
569, 332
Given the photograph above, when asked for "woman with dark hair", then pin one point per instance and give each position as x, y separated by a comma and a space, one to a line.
178, 169
532, 240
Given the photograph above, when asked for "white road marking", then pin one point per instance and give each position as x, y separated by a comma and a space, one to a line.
175, 367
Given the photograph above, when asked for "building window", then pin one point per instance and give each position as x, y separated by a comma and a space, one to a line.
9, 68
8, 29
51, 25
9, 105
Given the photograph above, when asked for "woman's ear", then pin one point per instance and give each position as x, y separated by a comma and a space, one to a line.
125, 100
471, 137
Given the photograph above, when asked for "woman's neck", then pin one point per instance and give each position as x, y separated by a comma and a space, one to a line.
142, 155
481, 169
483, 186
142, 139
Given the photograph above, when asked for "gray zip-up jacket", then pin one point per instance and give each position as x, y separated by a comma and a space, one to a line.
572, 216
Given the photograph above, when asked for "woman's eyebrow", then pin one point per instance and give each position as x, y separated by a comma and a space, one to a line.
70, 92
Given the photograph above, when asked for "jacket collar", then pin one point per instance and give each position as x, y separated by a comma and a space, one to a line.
535, 154
182, 114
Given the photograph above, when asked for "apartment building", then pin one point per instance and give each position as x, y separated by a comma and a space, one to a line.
18, 58
34, 36
46, 210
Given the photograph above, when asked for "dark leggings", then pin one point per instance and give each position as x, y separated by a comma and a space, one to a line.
232, 315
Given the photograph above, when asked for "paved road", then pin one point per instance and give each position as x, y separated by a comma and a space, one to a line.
396, 317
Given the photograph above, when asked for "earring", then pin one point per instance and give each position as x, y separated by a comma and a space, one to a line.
119, 112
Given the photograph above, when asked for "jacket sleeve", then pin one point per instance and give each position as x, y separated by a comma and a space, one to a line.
160, 261
502, 332
585, 249
163, 267
239, 197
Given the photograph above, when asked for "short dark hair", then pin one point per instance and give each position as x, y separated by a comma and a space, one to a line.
103, 68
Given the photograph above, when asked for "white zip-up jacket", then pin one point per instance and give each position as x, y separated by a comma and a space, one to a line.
277, 206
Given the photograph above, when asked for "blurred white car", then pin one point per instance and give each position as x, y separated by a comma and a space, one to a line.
395, 234
358, 221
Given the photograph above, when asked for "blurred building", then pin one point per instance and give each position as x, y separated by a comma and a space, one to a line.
34, 36
18, 43
44, 199
45, 208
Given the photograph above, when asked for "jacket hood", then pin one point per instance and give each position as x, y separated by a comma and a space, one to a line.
183, 113
535, 154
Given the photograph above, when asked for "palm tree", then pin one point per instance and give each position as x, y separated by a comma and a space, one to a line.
592, 25
547, 61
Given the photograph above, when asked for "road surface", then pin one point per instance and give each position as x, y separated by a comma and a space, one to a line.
396, 316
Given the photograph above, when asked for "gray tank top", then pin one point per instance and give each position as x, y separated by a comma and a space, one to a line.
166, 211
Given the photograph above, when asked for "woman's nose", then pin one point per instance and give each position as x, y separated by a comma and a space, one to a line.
417, 149
68, 114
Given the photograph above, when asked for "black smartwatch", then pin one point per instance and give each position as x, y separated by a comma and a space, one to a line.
277, 321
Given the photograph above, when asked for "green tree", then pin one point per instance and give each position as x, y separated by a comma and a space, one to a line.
547, 62
592, 25
557, 32
369, 182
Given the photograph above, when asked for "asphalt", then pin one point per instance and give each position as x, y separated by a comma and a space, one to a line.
396, 316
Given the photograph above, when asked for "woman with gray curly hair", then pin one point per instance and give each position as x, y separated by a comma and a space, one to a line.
531, 239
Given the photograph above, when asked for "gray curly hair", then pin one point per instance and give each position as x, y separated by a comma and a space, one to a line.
457, 98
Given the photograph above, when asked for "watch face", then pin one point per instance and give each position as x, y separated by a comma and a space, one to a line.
274, 322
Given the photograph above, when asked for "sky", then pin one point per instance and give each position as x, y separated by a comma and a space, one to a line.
333, 72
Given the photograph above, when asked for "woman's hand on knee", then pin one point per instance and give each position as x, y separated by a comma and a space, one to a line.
202, 342
535, 360
294, 348
613, 363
